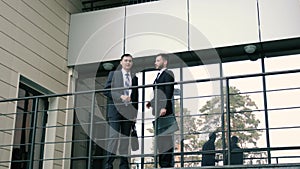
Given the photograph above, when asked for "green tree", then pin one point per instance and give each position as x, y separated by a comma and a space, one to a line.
243, 122
241, 117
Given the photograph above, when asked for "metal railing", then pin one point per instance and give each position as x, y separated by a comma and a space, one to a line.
53, 151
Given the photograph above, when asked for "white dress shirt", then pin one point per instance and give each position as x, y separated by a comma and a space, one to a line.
124, 79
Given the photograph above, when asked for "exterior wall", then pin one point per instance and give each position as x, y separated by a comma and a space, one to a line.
179, 26
34, 44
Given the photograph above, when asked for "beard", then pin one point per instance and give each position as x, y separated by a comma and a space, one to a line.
159, 66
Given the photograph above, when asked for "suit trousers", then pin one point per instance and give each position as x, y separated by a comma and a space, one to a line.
165, 147
119, 133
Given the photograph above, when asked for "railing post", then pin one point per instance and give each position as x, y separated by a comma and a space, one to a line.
91, 131
155, 124
33, 134
228, 121
222, 110
143, 123
266, 109
181, 121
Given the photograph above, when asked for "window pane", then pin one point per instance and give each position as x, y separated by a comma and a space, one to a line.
283, 104
241, 67
282, 63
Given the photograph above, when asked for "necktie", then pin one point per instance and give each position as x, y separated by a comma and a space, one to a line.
127, 84
156, 78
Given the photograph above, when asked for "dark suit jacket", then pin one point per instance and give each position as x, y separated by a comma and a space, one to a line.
236, 157
208, 158
115, 105
164, 93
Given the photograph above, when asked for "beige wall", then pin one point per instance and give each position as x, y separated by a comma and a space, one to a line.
34, 40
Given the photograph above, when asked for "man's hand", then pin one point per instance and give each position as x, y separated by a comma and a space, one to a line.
162, 112
125, 98
148, 105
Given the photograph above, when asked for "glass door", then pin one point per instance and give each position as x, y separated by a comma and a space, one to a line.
23, 137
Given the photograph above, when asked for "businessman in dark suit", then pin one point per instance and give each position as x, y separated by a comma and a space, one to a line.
121, 111
164, 107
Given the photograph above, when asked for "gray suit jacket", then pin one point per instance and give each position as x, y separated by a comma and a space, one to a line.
115, 105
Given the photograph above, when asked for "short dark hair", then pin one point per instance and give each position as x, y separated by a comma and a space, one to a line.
164, 56
212, 135
234, 139
126, 55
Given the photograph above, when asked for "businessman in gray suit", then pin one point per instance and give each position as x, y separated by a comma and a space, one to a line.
121, 111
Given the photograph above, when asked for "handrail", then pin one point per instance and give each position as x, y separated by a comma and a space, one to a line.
153, 85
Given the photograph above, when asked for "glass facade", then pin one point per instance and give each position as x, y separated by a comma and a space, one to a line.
261, 114
262, 95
